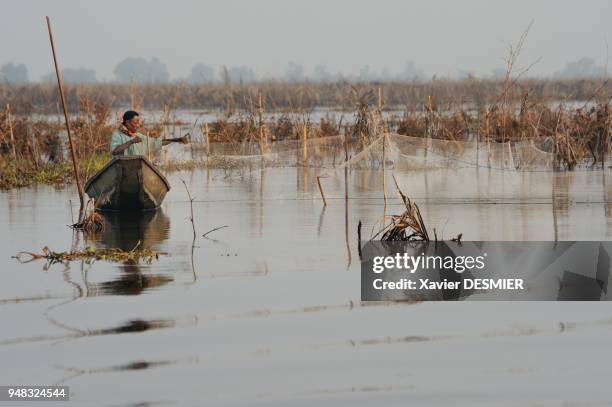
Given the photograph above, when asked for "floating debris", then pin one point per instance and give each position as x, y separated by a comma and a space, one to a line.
90, 254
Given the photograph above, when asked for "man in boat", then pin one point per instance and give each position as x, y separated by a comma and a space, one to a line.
127, 141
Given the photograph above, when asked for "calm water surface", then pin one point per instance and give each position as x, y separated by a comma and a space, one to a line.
267, 310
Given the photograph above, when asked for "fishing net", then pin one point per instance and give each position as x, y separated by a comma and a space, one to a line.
407, 152
426, 169
397, 151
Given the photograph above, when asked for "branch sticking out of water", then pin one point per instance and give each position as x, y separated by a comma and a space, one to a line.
193, 245
191, 207
212, 230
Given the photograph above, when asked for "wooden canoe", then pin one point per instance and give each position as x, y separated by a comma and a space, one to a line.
127, 183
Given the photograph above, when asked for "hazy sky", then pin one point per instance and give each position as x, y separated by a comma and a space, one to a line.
439, 36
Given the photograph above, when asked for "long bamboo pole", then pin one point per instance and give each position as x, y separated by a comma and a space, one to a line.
70, 143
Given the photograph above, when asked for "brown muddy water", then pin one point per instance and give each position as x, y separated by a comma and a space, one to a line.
267, 311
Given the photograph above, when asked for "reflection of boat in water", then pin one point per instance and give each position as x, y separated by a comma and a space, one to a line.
123, 230
127, 182
126, 230
131, 282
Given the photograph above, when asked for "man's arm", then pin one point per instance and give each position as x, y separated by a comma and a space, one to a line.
122, 147
183, 140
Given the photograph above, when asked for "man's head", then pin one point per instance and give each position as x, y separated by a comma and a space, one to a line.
131, 120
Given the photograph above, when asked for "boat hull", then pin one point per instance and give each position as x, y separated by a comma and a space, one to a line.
127, 183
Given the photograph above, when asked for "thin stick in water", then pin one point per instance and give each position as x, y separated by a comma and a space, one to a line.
212, 230
191, 207
321, 190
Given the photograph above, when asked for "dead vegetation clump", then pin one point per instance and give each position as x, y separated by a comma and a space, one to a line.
92, 221
408, 226
283, 129
367, 126
234, 131
90, 254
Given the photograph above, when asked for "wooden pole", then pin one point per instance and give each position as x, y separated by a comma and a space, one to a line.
262, 133
488, 135
304, 145
321, 191
346, 197
477, 142
34, 149
346, 155
346, 159
132, 93
384, 173
70, 144
165, 119
429, 129
10, 123
148, 148
206, 136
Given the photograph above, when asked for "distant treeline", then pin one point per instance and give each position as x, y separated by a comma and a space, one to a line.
229, 96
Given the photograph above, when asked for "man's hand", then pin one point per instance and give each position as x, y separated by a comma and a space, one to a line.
135, 140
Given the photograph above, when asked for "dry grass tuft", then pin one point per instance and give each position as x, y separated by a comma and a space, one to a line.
408, 226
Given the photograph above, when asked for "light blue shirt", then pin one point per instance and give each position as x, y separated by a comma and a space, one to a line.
154, 144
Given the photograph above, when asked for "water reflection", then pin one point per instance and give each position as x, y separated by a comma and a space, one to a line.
131, 282
84, 337
131, 366
561, 193
126, 231
131, 326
